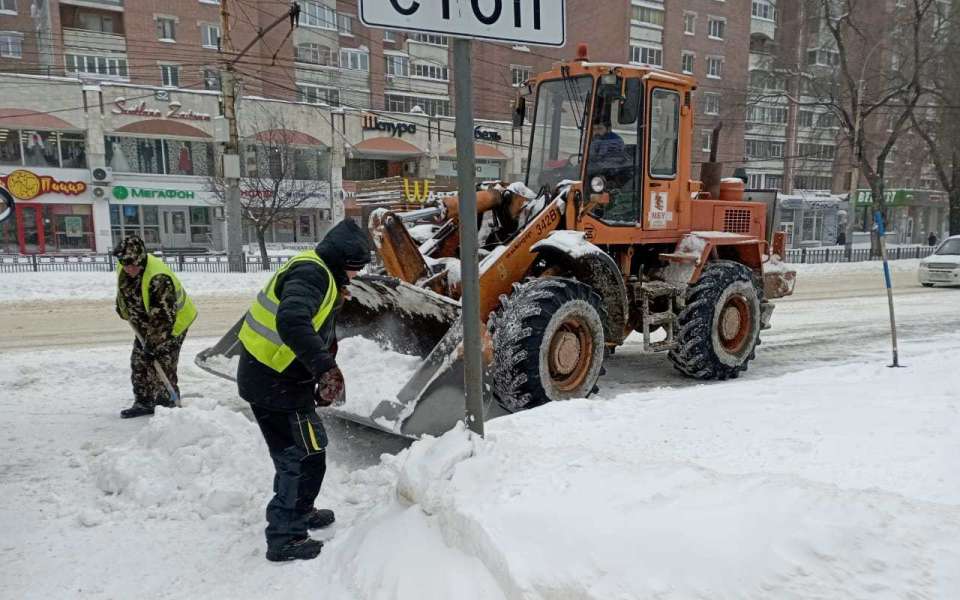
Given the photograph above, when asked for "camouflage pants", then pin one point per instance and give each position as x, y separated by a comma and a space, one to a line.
148, 388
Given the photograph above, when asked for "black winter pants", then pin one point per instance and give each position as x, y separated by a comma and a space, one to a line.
297, 443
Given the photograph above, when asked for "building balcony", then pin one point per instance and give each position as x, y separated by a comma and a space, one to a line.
81, 40
101, 4
764, 27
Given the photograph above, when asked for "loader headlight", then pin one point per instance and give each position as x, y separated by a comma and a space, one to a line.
598, 184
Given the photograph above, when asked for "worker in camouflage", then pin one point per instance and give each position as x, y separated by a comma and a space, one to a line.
160, 319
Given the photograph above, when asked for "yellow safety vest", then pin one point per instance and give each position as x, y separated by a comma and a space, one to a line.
259, 335
186, 311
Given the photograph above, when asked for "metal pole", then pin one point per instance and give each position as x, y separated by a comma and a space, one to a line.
469, 268
881, 231
231, 151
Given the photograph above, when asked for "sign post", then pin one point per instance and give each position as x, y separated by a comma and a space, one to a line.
533, 22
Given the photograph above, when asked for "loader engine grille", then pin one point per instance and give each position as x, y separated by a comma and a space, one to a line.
736, 220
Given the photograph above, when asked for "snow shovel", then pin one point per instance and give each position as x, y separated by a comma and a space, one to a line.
402, 318
172, 391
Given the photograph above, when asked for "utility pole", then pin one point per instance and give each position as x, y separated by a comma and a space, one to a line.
467, 188
230, 168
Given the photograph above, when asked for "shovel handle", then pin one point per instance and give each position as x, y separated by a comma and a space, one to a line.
172, 391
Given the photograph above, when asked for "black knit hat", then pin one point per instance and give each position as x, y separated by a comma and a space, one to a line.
346, 245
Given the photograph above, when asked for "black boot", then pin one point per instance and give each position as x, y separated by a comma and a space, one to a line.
138, 409
320, 518
302, 549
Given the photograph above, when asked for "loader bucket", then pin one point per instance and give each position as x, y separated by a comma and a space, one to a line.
403, 318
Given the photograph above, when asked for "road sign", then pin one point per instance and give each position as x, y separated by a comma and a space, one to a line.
528, 22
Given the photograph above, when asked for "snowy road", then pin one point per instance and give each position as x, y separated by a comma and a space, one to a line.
819, 474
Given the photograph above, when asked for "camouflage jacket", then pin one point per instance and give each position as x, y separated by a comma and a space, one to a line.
155, 325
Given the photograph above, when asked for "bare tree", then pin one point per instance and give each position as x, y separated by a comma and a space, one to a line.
937, 122
282, 173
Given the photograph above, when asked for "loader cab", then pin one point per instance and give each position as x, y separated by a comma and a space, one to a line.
619, 129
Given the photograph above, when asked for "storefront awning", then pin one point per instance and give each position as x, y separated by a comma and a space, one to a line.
23, 118
165, 127
483, 151
386, 148
287, 136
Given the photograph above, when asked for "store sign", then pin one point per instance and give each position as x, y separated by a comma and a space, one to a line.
6, 205
395, 128
173, 110
487, 135
27, 185
121, 192
902, 198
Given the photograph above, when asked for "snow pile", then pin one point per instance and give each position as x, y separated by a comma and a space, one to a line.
373, 374
573, 243
189, 461
874, 266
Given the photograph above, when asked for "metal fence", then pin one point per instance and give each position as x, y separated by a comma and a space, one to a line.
217, 263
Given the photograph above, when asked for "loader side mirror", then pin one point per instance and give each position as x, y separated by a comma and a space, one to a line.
520, 112
630, 106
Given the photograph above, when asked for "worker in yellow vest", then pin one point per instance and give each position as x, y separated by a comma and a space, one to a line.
152, 299
287, 368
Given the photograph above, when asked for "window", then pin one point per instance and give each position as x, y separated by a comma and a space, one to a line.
170, 75
686, 62
767, 114
105, 67
716, 27
11, 44
398, 66
356, 60
812, 225
774, 182
429, 38
200, 230
315, 54
314, 94
159, 156
816, 151
762, 9
389, 36
95, 22
314, 14
210, 35
706, 140
38, 148
519, 74
763, 149
166, 29
711, 103
714, 67
664, 132
805, 118
432, 106
647, 55
690, 23
823, 58
755, 181
211, 79
430, 72
648, 15
8, 6
345, 24
812, 182
827, 120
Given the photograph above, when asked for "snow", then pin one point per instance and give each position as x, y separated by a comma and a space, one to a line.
573, 243
370, 382
903, 266
51, 286
820, 473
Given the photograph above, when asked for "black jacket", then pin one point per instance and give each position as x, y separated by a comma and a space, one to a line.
301, 289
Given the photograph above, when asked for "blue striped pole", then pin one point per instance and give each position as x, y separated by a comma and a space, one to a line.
881, 231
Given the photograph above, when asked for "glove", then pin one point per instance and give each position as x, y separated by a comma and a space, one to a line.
330, 388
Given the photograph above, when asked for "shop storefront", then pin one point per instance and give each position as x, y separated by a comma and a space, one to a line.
811, 219
54, 211
490, 163
911, 214
168, 214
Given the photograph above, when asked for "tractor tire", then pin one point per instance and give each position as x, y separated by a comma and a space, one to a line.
548, 343
719, 328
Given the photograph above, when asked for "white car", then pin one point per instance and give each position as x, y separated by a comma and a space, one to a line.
943, 266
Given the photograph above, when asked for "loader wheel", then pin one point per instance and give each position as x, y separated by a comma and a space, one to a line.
547, 343
719, 328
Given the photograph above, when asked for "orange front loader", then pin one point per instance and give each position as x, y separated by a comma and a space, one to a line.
607, 235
